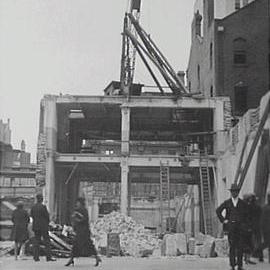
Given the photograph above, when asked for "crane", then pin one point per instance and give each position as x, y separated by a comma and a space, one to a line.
135, 39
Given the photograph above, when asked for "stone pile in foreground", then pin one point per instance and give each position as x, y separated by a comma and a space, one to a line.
204, 246
135, 240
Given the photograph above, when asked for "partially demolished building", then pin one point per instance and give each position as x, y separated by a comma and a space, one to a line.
145, 150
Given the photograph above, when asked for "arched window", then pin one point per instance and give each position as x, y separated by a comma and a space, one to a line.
240, 99
239, 51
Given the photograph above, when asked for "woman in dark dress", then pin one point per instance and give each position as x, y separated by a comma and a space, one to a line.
20, 219
82, 244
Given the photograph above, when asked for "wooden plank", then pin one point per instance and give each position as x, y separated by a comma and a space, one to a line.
239, 167
253, 146
60, 241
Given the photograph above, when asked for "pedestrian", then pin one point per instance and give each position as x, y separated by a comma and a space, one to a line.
256, 212
82, 244
234, 222
265, 226
248, 231
20, 219
41, 219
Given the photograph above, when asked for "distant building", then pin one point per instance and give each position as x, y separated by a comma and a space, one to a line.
17, 174
229, 54
5, 132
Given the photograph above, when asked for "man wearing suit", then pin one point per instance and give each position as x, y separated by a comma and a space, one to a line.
234, 222
265, 226
41, 219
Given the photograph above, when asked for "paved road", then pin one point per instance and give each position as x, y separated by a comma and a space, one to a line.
127, 263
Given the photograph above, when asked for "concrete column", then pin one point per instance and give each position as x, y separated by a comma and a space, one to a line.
50, 124
218, 126
196, 197
125, 131
124, 186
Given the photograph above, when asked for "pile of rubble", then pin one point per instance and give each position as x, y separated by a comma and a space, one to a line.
204, 246
135, 240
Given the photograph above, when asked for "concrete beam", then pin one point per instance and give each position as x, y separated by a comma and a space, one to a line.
87, 158
144, 101
133, 160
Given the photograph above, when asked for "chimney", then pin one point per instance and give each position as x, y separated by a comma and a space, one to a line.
23, 146
198, 21
181, 76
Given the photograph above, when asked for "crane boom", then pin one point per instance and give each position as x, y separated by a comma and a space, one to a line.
146, 48
128, 49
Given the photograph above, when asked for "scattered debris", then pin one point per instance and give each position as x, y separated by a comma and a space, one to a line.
6, 247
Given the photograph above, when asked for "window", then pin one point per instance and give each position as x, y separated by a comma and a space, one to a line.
211, 91
211, 55
199, 76
239, 51
239, 58
240, 100
237, 4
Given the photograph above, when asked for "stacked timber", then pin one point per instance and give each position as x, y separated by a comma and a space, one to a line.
135, 240
61, 238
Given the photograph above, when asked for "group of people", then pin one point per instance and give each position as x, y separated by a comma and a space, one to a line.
247, 225
82, 243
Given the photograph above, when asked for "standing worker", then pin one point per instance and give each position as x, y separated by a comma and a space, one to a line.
234, 222
256, 213
20, 219
265, 222
248, 247
41, 219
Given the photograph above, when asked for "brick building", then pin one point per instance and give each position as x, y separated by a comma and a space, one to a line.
230, 56
17, 174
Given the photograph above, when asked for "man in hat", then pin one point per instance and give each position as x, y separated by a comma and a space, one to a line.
234, 222
41, 220
265, 226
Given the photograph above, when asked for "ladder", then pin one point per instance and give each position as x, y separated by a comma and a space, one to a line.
164, 196
206, 197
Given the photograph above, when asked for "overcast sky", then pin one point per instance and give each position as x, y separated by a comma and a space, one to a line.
74, 47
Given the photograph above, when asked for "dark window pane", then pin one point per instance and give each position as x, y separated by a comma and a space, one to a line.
240, 100
239, 58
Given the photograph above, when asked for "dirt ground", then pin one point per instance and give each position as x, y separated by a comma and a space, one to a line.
127, 263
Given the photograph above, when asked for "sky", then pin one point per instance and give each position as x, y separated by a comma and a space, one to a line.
74, 47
